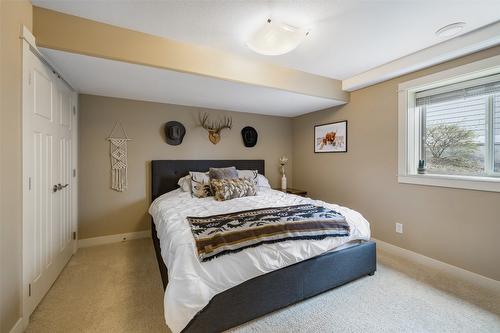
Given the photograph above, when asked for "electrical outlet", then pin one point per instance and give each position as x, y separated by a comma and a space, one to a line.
399, 228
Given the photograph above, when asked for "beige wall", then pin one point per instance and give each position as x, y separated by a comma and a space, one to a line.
103, 211
460, 227
12, 15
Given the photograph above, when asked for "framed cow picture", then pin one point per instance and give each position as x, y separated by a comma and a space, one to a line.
331, 138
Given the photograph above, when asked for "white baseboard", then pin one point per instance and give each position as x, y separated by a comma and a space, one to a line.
86, 242
470, 277
20, 326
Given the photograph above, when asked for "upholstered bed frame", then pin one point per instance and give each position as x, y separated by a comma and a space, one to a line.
271, 291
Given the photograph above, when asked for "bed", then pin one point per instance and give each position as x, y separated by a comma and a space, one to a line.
218, 307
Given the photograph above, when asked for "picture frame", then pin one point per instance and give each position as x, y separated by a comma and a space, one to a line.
331, 137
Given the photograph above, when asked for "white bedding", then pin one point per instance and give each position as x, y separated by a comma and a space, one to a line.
191, 283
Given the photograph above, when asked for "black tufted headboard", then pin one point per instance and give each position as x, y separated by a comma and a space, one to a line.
166, 173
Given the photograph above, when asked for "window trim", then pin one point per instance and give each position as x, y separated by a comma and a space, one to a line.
408, 145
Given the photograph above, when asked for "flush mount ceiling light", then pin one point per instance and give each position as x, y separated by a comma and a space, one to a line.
450, 30
276, 38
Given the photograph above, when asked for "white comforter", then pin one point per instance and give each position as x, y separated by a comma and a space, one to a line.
191, 283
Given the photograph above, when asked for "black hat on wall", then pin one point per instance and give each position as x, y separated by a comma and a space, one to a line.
250, 136
174, 133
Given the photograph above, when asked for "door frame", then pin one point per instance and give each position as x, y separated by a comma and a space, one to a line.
30, 50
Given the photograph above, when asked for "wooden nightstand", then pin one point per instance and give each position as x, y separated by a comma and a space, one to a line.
295, 191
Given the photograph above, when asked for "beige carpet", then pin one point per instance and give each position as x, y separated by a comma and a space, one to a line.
117, 288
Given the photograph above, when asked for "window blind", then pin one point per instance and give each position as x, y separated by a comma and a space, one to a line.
459, 91
469, 113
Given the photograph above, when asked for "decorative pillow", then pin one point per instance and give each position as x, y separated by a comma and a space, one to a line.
223, 173
226, 189
258, 179
200, 184
185, 183
249, 174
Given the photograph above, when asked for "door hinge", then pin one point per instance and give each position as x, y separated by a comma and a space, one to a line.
29, 78
74, 172
29, 183
29, 290
74, 235
74, 110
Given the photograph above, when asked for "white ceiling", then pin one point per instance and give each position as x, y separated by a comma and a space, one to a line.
347, 37
97, 76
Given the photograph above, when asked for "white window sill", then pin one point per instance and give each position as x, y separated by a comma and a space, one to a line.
490, 184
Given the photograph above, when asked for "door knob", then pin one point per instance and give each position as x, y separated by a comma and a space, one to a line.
59, 187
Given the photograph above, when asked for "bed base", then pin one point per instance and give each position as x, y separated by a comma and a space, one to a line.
269, 292
278, 289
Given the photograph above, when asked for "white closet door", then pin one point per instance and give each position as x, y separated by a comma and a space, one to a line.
48, 220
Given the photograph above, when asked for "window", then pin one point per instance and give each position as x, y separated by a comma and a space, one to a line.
461, 128
450, 122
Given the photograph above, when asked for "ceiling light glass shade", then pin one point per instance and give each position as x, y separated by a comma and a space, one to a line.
450, 30
276, 38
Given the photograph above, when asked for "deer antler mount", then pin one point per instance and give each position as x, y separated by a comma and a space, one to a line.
215, 127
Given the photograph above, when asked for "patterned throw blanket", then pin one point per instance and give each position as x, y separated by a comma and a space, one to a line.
222, 234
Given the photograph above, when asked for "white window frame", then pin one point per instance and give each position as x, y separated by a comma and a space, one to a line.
409, 120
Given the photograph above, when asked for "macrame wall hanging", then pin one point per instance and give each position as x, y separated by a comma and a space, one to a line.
118, 156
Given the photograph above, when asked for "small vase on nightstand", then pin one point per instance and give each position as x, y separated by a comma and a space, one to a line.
283, 161
283, 182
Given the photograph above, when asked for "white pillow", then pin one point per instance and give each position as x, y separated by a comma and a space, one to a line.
185, 183
262, 181
258, 179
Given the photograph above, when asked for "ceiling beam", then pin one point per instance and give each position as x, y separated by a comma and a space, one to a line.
59, 31
453, 48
